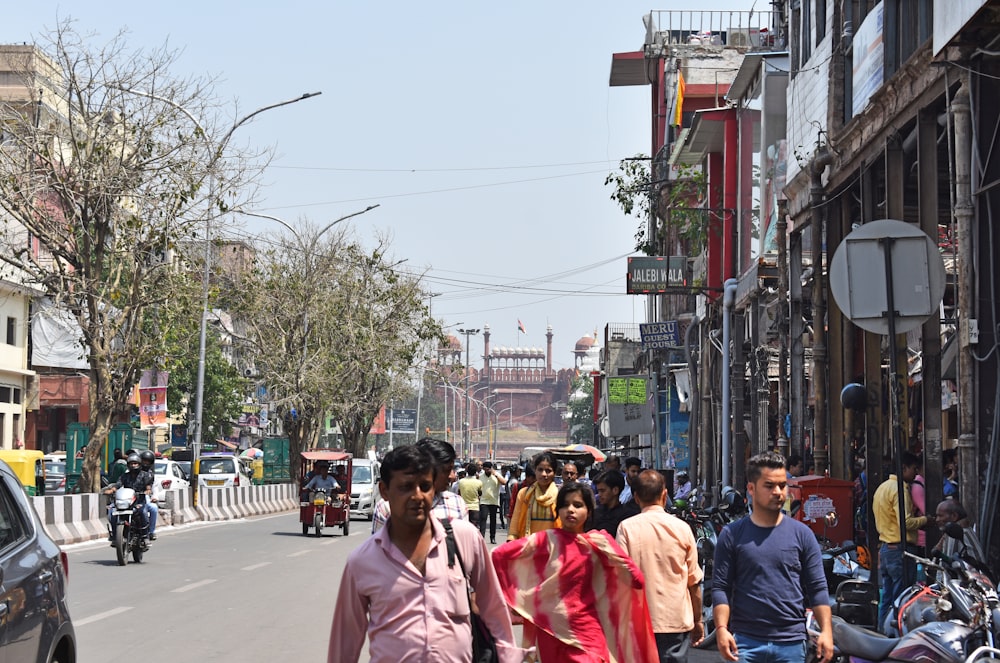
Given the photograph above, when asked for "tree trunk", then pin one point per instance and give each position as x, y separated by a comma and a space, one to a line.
101, 416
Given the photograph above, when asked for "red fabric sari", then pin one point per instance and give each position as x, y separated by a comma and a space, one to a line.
582, 595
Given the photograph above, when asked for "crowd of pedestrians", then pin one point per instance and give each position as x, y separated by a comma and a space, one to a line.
590, 577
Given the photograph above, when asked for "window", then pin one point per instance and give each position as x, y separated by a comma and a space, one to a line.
12, 526
4, 394
16, 399
820, 21
796, 37
11, 331
806, 31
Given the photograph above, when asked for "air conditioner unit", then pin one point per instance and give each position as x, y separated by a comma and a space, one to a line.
743, 37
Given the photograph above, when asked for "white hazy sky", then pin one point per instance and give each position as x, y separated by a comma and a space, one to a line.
483, 131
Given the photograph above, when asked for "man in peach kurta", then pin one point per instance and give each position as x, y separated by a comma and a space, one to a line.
664, 549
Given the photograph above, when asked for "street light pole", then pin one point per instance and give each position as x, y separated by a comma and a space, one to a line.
468, 377
216, 153
200, 389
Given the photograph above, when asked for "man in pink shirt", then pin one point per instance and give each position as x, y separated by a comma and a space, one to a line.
663, 547
398, 589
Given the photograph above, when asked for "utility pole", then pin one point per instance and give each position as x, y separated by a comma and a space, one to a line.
465, 419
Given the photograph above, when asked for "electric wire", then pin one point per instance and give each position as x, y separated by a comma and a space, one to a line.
479, 287
428, 192
465, 169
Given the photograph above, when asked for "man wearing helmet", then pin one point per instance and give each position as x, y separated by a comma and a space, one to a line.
136, 479
152, 509
683, 486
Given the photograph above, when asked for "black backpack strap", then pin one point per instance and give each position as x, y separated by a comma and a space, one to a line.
449, 540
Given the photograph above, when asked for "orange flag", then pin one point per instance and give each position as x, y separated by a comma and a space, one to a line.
678, 109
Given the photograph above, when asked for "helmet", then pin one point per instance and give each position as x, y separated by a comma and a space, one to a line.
147, 457
133, 458
732, 501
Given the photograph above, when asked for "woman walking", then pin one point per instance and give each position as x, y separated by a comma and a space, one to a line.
535, 509
581, 597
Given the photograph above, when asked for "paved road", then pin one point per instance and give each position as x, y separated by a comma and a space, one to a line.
248, 590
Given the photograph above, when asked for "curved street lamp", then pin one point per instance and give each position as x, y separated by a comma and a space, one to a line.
216, 155
468, 377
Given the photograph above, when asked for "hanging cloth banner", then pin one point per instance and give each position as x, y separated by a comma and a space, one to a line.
153, 398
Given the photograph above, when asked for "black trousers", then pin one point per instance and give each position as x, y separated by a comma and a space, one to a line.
673, 647
488, 511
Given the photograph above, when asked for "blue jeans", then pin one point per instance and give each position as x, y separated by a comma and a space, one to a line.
152, 513
761, 651
891, 564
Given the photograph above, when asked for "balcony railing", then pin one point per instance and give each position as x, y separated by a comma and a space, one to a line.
752, 30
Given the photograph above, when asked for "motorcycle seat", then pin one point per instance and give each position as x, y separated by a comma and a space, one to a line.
857, 641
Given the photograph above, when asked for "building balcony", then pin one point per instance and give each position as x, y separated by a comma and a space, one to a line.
676, 30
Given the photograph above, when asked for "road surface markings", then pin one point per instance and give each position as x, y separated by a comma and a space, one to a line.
193, 585
254, 567
301, 552
99, 616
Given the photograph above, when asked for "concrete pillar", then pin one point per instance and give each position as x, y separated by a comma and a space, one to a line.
968, 461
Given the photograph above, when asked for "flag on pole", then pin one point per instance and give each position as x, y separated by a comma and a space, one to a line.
520, 326
679, 106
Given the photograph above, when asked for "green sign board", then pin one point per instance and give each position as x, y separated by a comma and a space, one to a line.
655, 274
627, 391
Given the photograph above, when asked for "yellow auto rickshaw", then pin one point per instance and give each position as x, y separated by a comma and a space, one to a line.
29, 466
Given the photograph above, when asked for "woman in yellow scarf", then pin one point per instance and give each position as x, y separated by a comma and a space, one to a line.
535, 510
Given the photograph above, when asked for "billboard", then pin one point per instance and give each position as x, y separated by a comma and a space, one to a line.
655, 275
153, 398
402, 421
868, 59
630, 406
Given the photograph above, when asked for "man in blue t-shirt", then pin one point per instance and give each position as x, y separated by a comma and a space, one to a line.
768, 570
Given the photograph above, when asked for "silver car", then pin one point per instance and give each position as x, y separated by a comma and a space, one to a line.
364, 488
34, 619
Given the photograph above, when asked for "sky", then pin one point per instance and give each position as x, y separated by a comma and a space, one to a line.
483, 132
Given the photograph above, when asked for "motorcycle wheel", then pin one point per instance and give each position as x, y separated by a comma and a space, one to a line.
137, 550
318, 524
120, 544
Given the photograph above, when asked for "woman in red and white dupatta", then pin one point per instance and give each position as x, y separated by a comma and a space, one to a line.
580, 595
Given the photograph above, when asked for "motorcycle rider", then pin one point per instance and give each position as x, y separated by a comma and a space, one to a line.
152, 509
136, 479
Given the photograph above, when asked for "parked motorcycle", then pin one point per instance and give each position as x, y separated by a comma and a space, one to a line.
925, 602
129, 534
969, 619
853, 597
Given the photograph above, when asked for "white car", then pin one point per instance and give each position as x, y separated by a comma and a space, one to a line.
364, 488
221, 471
169, 475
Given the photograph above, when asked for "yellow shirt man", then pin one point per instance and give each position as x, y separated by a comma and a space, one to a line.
885, 506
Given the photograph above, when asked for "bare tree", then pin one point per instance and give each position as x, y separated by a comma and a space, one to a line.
103, 176
384, 325
335, 328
